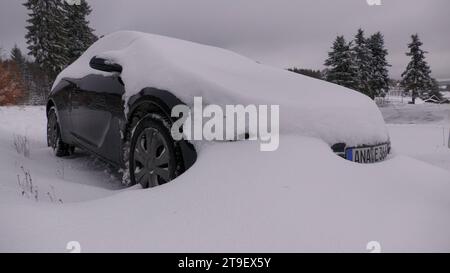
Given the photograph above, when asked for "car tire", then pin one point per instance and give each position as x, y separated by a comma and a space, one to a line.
54, 140
152, 155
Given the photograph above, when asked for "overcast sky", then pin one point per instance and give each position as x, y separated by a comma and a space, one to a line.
283, 33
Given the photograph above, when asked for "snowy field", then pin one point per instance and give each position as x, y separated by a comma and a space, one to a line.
420, 131
235, 198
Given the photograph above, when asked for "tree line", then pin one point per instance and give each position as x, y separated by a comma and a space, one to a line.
361, 64
21, 80
57, 34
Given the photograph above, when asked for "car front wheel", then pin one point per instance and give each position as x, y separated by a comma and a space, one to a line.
54, 139
152, 154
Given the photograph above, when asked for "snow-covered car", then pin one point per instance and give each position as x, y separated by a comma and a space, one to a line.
115, 101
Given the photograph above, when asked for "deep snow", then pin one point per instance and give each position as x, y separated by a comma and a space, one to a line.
309, 107
426, 113
420, 131
300, 198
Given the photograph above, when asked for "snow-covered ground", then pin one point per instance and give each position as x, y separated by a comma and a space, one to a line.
426, 113
235, 198
420, 131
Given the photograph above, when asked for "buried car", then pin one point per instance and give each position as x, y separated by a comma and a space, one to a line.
116, 102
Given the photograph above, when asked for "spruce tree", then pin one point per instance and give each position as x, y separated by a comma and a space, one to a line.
363, 63
417, 76
47, 36
434, 90
37, 84
17, 56
19, 60
379, 80
340, 63
317, 74
81, 35
24, 76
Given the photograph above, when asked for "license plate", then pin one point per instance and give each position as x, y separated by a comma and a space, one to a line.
367, 154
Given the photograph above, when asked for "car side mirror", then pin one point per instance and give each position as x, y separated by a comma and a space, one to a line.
105, 65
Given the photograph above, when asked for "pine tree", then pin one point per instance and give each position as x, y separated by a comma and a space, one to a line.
434, 90
47, 36
417, 76
19, 60
317, 74
340, 63
17, 56
81, 35
379, 80
363, 62
38, 84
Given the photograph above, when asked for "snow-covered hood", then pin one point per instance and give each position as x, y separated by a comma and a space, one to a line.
308, 106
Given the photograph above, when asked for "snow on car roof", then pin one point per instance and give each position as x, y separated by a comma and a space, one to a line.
308, 106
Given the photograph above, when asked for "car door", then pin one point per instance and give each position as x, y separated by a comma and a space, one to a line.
96, 111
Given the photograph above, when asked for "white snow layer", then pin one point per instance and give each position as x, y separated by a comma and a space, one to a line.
235, 198
308, 107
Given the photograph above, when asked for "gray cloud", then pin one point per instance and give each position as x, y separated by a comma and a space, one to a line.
278, 32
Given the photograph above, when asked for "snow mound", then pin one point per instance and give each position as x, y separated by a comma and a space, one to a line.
308, 107
225, 204
234, 199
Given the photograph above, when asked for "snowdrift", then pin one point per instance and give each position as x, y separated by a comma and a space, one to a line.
308, 107
224, 204
234, 198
